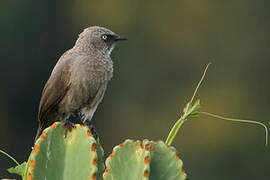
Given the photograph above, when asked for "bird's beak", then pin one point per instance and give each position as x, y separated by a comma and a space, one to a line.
119, 38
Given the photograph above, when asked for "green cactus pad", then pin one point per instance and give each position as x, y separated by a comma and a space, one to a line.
165, 163
136, 160
129, 160
74, 156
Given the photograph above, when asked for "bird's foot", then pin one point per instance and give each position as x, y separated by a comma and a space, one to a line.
92, 129
69, 126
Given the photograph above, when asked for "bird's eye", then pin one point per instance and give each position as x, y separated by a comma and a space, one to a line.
104, 37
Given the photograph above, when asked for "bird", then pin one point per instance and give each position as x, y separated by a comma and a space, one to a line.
79, 79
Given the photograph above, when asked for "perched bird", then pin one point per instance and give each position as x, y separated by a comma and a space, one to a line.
79, 79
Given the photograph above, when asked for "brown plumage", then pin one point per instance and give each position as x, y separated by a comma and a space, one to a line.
79, 79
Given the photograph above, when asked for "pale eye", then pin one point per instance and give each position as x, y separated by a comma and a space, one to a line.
104, 37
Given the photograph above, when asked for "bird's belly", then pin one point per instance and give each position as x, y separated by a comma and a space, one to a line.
79, 95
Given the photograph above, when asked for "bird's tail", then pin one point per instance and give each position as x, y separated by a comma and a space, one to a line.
44, 123
39, 131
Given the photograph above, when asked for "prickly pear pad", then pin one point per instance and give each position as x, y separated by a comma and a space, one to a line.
136, 160
165, 163
129, 160
74, 156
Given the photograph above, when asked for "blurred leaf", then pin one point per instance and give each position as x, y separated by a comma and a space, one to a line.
192, 112
18, 169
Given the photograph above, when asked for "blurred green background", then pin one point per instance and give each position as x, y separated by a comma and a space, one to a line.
155, 73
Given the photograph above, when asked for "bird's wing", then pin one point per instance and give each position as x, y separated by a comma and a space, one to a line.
55, 89
98, 96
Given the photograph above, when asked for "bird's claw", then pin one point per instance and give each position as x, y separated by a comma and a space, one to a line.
69, 126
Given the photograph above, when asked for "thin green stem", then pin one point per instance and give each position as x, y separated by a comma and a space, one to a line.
200, 82
26, 168
240, 120
3, 152
187, 111
174, 131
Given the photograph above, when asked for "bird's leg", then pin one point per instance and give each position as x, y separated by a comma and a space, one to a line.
87, 123
69, 126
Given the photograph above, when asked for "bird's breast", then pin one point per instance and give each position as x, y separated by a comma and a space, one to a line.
92, 74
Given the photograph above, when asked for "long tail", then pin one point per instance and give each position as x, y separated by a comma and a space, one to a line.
44, 123
39, 131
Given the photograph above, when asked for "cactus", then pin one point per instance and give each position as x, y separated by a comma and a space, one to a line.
143, 160
129, 160
165, 162
76, 155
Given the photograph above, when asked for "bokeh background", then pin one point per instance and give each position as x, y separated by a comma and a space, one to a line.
155, 73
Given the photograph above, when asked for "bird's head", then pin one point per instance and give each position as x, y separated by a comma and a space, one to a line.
98, 39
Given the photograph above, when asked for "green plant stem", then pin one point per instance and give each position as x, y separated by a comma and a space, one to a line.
174, 131
25, 174
3, 152
239, 120
187, 111
191, 110
200, 82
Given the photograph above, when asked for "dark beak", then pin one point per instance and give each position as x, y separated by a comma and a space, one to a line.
119, 38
